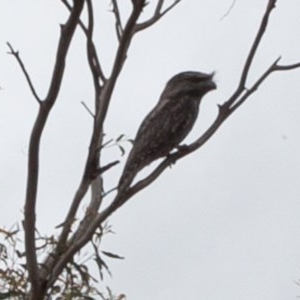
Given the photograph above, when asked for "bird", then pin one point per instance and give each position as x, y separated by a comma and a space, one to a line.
168, 123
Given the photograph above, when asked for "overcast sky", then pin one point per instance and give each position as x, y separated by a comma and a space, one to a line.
223, 223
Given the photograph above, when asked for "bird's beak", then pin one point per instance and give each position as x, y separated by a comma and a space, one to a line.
211, 85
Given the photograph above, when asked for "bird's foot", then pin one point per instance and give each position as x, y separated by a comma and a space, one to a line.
182, 148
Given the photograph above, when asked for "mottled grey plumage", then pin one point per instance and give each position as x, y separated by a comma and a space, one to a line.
168, 123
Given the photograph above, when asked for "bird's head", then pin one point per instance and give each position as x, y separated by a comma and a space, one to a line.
195, 84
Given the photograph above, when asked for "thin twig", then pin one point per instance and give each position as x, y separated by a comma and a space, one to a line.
252, 52
158, 13
273, 68
23, 68
107, 167
87, 108
228, 11
285, 67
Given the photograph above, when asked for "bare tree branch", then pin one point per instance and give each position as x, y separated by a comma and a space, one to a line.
106, 167
34, 146
92, 162
91, 51
23, 68
158, 13
94, 55
253, 50
96, 173
88, 174
285, 67
273, 68
116, 12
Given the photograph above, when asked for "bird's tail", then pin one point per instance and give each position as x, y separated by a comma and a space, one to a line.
130, 171
125, 181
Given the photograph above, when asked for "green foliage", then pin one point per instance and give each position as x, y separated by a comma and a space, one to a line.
75, 282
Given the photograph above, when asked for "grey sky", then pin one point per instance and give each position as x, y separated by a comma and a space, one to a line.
222, 223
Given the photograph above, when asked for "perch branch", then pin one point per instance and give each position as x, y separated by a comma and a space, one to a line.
224, 112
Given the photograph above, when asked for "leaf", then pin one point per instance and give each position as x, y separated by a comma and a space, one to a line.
112, 255
131, 141
120, 137
9, 295
84, 273
100, 262
122, 150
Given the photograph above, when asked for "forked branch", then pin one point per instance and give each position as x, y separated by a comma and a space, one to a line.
159, 12
87, 32
252, 52
34, 146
